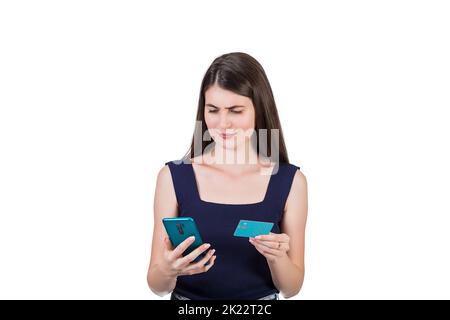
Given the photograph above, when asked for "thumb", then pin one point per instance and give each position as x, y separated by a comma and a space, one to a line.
168, 244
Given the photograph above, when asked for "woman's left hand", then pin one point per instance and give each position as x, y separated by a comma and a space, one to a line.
272, 246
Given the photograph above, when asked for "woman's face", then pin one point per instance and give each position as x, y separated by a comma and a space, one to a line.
230, 117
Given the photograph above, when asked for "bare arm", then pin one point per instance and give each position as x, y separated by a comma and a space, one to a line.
165, 206
287, 262
166, 262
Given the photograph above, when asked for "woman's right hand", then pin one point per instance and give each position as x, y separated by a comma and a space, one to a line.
174, 264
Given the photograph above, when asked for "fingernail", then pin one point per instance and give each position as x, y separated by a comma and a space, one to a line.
192, 237
258, 237
213, 250
207, 245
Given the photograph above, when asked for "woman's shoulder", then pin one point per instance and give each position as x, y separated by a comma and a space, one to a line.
298, 190
164, 173
174, 168
175, 163
299, 180
171, 172
290, 165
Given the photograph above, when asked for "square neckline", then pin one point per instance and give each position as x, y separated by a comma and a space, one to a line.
266, 195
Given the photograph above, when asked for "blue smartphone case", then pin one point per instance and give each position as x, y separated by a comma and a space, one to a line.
181, 228
250, 228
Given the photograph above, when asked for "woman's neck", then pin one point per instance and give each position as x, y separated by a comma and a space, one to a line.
236, 161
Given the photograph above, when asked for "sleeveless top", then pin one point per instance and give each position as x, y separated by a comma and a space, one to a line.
240, 271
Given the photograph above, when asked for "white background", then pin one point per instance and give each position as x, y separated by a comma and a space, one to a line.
96, 96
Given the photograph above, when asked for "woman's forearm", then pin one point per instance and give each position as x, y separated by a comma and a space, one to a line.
286, 276
159, 282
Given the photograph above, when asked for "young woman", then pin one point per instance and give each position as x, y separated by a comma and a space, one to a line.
218, 184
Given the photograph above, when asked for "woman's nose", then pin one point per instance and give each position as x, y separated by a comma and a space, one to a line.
224, 121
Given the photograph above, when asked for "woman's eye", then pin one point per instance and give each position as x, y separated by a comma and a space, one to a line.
215, 111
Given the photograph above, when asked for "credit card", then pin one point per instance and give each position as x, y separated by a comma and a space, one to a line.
251, 228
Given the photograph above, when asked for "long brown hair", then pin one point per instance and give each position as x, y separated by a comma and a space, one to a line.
242, 74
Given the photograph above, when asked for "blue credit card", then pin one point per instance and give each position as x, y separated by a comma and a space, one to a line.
250, 228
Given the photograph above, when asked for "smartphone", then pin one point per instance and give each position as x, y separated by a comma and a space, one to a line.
181, 228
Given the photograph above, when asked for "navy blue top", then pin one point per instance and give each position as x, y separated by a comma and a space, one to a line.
240, 271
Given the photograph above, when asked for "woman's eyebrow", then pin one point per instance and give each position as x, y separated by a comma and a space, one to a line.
232, 107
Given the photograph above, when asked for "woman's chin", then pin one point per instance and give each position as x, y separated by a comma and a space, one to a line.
228, 144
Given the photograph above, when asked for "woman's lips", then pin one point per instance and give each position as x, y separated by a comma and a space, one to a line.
227, 135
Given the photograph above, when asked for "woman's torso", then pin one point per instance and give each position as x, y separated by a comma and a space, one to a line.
240, 271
